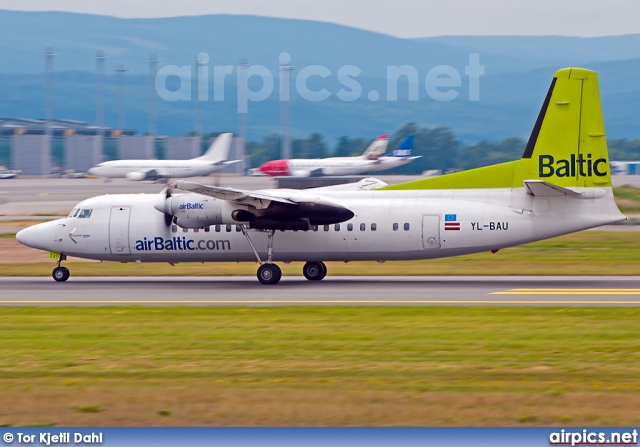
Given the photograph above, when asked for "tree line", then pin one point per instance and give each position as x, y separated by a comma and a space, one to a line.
439, 148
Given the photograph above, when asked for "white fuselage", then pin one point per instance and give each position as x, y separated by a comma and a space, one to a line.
164, 168
345, 165
387, 225
331, 166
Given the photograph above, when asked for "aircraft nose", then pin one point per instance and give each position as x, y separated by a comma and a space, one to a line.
38, 236
275, 167
22, 236
93, 171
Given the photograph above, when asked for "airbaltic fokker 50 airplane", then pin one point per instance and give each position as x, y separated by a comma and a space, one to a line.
560, 185
213, 160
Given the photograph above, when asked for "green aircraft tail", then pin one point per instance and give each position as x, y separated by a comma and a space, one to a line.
567, 146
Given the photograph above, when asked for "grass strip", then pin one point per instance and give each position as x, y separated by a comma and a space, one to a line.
320, 366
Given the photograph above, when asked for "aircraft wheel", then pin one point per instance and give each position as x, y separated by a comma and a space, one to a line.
269, 274
60, 274
314, 271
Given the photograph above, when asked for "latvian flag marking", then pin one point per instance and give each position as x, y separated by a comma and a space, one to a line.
451, 223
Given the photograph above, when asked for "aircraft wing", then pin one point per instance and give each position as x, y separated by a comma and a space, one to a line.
240, 196
224, 162
281, 209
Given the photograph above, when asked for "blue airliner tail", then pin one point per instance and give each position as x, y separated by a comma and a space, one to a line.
403, 149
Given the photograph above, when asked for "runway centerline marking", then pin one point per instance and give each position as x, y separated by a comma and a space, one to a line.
567, 291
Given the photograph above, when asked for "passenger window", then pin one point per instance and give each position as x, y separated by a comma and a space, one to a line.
337, 227
406, 227
185, 230
326, 228
174, 228
374, 227
350, 227
238, 230
228, 228
195, 230
207, 229
218, 228
363, 227
84, 214
315, 228
395, 227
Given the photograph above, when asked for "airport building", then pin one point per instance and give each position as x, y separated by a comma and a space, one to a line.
35, 148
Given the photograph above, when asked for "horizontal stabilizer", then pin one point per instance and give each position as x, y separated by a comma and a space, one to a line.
540, 188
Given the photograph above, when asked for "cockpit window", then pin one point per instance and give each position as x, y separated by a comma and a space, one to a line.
84, 214
74, 212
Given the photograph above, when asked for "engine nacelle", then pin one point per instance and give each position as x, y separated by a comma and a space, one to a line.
196, 211
136, 176
301, 173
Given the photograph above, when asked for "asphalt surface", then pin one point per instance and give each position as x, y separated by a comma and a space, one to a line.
296, 291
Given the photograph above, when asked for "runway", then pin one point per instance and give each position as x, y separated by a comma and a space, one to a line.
347, 290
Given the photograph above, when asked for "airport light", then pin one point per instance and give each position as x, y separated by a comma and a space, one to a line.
100, 60
153, 116
285, 99
48, 91
242, 116
198, 125
120, 71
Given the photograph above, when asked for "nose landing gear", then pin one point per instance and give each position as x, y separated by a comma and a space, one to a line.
61, 274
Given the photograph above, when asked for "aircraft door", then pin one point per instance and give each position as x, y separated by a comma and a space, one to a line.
119, 230
430, 232
59, 232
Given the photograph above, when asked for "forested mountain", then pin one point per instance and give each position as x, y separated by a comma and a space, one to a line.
517, 73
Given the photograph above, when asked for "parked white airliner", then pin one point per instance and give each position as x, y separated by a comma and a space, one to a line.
373, 159
562, 184
213, 160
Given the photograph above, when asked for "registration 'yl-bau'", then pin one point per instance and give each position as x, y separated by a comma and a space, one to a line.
562, 184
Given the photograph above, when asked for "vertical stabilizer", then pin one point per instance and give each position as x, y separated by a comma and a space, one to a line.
403, 149
377, 148
219, 149
567, 146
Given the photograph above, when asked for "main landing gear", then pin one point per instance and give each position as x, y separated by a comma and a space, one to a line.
314, 271
270, 273
61, 274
